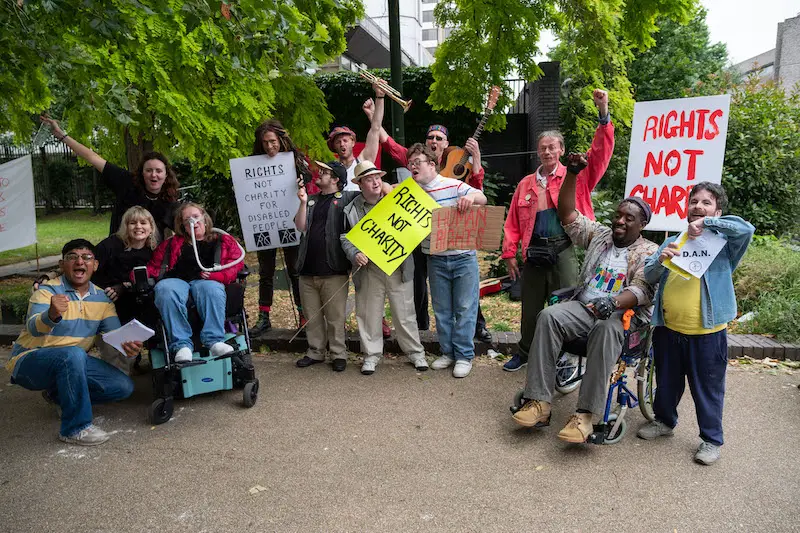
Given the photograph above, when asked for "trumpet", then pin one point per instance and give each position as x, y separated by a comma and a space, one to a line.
390, 91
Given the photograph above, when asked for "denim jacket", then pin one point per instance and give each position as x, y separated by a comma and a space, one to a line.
717, 297
333, 229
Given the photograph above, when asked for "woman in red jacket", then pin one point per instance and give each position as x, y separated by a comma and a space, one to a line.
176, 264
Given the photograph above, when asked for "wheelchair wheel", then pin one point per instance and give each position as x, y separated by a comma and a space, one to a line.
518, 401
567, 379
250, 393
616, 437
160, 411
646, 385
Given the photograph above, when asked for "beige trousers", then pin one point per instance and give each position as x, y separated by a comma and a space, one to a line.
325, 329
374, 287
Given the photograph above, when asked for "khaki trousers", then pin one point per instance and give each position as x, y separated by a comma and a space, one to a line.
325, 329
374, 287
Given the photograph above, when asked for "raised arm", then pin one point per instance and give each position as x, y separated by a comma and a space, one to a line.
566, 196
300, 217
370, 151
602, 147
84, 152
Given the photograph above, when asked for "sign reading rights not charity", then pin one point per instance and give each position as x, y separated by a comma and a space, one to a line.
266, 195
395, 226
675, 144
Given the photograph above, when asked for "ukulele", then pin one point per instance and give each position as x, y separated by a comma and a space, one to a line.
456, 162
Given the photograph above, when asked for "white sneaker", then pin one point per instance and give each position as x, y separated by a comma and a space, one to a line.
91, 436
184, 355
370, 362
442, 362
462, 368
419, 361
220, 348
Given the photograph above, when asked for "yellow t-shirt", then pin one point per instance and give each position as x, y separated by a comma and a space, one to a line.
681, 306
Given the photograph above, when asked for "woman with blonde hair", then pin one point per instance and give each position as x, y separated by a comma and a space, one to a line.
131, 246
176, 264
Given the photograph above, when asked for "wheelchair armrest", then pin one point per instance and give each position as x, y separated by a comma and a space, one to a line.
561, 295
243, 273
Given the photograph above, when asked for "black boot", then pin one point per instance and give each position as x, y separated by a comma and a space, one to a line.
262, 324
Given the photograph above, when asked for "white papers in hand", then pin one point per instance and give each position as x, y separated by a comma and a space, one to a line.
132, 331
696, 255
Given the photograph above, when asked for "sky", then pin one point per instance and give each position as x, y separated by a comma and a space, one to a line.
747, 27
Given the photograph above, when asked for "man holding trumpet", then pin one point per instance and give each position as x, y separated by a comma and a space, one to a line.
437, 140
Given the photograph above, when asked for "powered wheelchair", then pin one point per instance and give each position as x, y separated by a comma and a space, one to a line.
636, 353
205, 373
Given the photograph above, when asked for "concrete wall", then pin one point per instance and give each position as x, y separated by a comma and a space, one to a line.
542, 106
787, 53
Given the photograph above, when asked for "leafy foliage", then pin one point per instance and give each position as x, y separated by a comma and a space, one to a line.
491, 40
761, 173
179, 74
768, 283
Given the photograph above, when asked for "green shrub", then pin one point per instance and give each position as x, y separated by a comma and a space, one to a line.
768, 283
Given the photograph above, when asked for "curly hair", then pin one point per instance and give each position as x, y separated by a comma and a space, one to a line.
422, 149
286, 143
716, 190
169, 191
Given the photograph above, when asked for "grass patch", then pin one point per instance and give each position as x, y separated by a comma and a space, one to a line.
53, 231
15, 293
768, 283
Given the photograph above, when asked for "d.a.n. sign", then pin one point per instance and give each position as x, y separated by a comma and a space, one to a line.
674, 145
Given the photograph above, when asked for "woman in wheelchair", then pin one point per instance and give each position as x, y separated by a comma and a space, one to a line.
132, 246
176, 263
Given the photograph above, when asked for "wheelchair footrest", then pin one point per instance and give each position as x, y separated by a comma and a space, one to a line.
598, 435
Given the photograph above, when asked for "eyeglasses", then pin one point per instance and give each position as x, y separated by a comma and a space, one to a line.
435, 138
72, 257
417, 163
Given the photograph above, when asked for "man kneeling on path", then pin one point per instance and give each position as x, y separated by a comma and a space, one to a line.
64, 316
613, 281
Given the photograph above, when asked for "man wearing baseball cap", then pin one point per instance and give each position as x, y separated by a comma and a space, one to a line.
611, 281
342, 142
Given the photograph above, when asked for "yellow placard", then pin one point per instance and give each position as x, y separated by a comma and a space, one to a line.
395, 226
680, 241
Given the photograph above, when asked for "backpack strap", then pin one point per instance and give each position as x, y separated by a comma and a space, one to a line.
218, 251
166, 258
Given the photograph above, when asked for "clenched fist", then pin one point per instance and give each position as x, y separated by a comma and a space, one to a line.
58, 306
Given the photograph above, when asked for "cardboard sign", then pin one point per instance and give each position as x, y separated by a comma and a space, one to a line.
17, 207
393, 228
478, 228
266, 195
675, 144
696, 255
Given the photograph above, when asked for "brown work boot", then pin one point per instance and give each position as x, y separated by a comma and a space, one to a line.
578, 428
533, 414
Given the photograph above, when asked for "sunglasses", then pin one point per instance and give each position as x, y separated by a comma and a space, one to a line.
72, 257
435, 138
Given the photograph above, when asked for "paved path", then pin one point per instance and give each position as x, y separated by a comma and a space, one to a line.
397, 452
28, 267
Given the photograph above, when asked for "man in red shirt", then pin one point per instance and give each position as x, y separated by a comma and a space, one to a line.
549, 258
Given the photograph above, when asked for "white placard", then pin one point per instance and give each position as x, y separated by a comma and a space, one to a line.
674, 145
132, 331
17, 208
266, 195
696, 255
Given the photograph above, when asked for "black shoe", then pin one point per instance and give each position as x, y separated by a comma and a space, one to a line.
339, 365
262, 324
483, 335
307, 361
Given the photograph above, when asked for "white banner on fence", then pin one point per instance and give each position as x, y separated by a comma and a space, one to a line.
675, 144
266, 195
17, 209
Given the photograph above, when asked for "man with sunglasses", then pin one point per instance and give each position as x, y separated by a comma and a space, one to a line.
64, 317
550, 262
437, 140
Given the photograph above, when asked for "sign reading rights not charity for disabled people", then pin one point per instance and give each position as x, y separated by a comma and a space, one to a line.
17, 208
395, 226
266, 195
674, 145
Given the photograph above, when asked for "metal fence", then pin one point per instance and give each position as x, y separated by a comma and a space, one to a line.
520, 90
58, 180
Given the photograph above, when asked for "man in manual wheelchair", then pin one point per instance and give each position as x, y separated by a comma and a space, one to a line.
613, 274
202, 344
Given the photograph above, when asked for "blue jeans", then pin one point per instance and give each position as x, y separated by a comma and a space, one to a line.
454, 292
73, 379
209, 298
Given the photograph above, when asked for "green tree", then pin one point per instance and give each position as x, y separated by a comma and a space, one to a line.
492, 39
193, 77
682, 55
